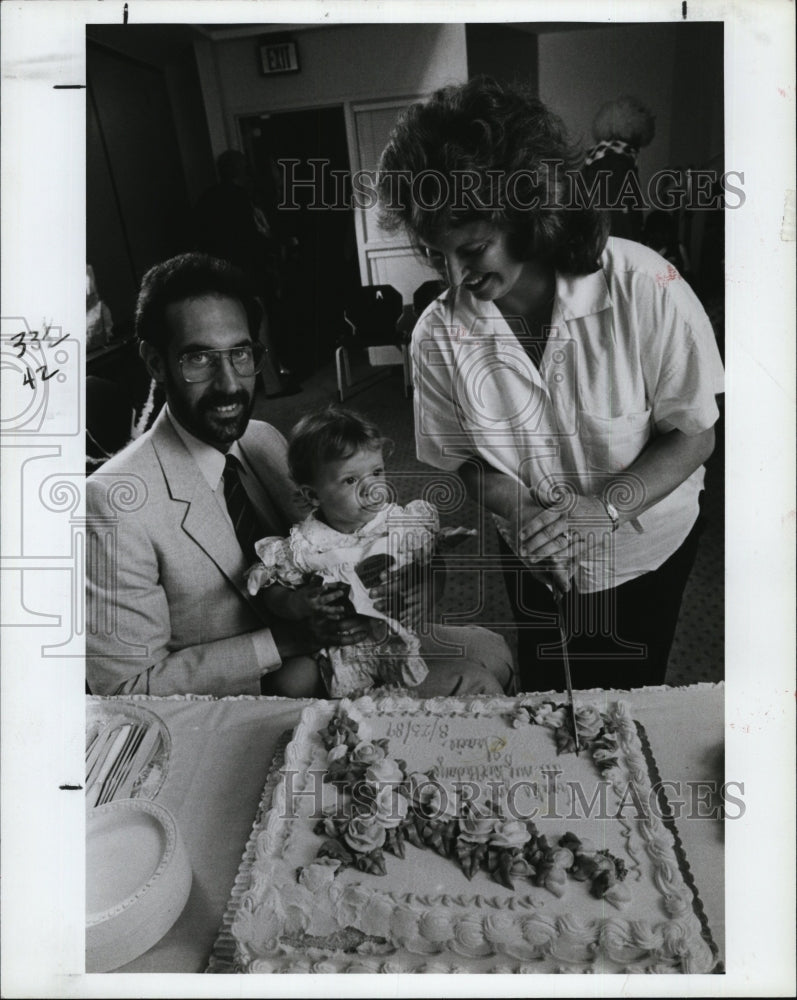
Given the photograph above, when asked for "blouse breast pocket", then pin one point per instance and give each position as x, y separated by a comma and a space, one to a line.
611, 444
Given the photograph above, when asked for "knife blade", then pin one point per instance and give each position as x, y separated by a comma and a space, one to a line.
558, 597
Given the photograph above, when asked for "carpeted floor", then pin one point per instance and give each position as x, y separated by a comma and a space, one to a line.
475, 591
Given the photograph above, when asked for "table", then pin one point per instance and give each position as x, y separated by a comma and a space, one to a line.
222, 750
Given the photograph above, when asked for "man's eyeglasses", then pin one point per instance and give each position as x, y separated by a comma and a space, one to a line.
202, 366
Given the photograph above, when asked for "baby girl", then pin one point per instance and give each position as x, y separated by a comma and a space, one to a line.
352, 536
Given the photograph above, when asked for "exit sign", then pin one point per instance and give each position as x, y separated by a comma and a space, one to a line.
278, 57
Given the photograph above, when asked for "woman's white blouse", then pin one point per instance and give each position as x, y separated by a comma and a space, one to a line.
631, 354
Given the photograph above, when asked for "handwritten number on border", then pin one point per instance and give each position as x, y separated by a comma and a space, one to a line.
19, 341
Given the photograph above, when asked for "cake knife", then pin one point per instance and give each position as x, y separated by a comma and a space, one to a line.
558, 597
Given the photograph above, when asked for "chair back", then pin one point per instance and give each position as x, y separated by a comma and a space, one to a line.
373, 312
426, 293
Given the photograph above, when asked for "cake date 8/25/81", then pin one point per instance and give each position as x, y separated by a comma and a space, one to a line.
423, 729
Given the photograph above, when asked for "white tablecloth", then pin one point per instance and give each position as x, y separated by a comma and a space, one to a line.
222, 751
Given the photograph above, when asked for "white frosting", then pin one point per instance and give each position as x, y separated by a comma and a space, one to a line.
387, 924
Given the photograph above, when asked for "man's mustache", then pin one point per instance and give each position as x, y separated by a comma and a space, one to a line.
225, 399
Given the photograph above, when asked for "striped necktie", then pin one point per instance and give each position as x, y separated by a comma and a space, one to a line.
247, 525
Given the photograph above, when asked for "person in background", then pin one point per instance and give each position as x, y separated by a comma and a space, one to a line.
231, 226
621, 128
569, 380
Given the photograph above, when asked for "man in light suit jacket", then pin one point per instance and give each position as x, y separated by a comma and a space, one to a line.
168, 609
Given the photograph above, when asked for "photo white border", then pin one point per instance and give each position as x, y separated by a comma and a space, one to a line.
43, 258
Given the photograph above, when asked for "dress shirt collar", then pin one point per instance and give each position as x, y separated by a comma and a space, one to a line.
579, 295
209, 459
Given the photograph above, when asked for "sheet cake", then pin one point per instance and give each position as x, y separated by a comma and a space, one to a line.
466, 836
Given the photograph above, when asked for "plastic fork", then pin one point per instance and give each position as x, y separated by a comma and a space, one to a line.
119, 766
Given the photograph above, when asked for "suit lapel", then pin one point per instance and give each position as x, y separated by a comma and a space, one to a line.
202, 518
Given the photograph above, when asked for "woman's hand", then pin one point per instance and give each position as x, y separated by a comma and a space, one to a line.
555, 540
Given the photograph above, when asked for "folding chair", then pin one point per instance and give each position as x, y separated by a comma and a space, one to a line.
372, 314
426, 293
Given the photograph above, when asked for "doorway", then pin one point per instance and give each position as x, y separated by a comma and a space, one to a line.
317, 263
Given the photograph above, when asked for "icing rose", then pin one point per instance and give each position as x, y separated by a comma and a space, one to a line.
474, 827
367, 753
562, 857
384, 771
389, 807
364, 834
589, 721
319, 875
510, 833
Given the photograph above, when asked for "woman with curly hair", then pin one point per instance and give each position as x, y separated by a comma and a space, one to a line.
569, 380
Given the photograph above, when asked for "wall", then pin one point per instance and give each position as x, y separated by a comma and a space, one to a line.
676, 69
169, 49
371, 70
137, 210
503, 53
148, 155
581, 70
698, 97
182, 81
339, 64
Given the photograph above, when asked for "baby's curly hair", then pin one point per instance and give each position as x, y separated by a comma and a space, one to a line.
327, 436
510, 159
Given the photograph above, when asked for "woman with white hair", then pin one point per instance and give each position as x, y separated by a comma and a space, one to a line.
621, 128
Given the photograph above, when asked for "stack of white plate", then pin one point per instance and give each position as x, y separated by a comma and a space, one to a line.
138, 878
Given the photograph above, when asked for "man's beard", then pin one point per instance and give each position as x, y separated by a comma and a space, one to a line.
205, 422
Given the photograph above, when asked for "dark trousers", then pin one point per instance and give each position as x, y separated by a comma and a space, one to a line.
618, 638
